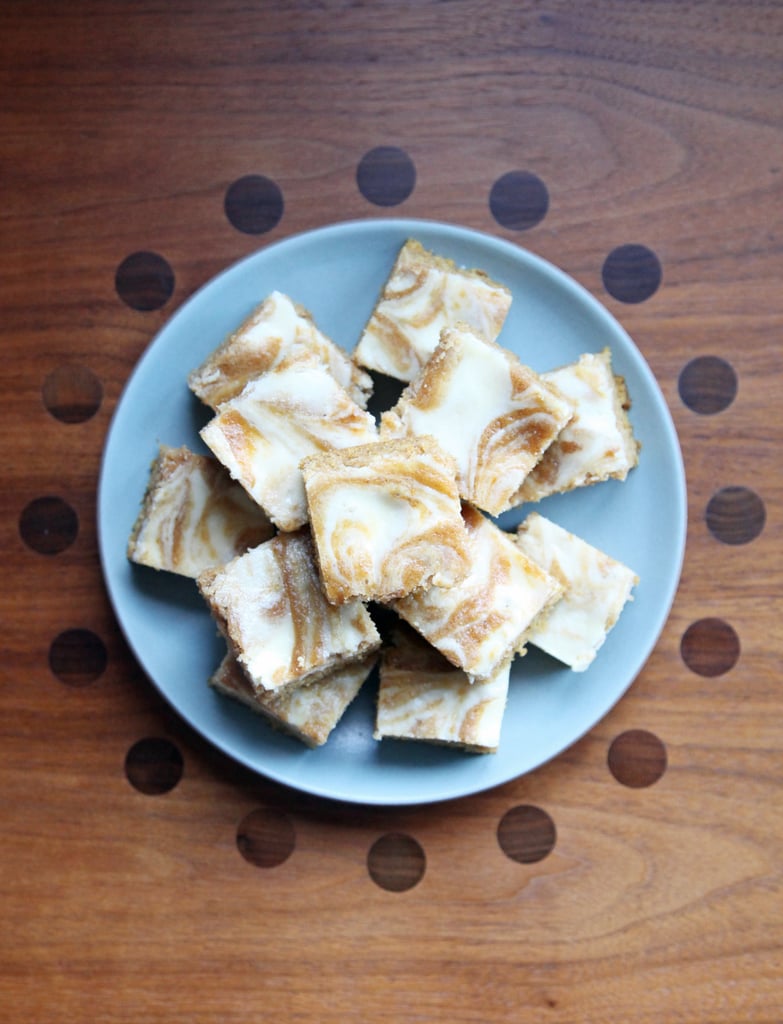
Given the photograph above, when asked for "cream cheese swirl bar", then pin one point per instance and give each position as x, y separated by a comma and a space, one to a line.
598, 443
276, 333
493, 414
269, 605
309, 713
262, 435
483, 619
595, 586
423, 294
385, 519
193, 515
421, 696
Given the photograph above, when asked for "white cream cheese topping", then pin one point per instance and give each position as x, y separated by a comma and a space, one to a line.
479, 622
440, 704
277, 333
194, 516
597, 444
491, 413
287, 414
424, 294
596, 587
279, 625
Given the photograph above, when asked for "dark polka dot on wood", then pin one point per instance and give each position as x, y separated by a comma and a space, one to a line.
72, 394
154, 766
637, 758
254, 204
396, 862
266, 837
526, 834
77, 657
48, 525
386, 176
735, 515
710, 647
707, 385
631, 273
519, 200
144, 281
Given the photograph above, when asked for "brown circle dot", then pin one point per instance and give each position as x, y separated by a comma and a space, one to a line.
735, 515
144, 281
266, 837
519, 200
631, 273
254, 204
526, 834
154, 765
72, 394
77, 657
396, 862
637, 758
710, 647
386, 175
707, 385
48, 525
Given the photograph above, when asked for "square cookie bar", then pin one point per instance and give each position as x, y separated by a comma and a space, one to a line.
193, 515
262, 435
482, 620
596, 587
276, 333
385, 519
494, 415
309, 713
422, 696
269, 605
423, 294
598, 443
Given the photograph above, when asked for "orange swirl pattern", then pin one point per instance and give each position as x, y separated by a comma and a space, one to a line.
507, 451
423, 697
270, 607
194, 516
481, 621
494, 415
423, 294
289, 413
310, 712
385, 518
277, 333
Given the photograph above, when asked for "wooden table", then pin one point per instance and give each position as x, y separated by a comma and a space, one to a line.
144, 875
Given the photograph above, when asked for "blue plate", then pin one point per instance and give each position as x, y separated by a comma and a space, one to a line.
337, 273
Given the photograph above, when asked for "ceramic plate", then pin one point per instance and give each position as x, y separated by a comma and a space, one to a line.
337, 272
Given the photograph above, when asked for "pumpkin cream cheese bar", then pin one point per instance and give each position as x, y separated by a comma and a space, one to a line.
262, 435
493, 414
309, 713
596, 588
385, 519
277, 333
270, 606
193, 516
423, 294
422, 696
598, 443
481, 621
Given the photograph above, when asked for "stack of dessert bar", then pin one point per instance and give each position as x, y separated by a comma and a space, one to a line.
308, 513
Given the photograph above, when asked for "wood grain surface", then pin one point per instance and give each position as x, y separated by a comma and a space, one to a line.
144, 876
